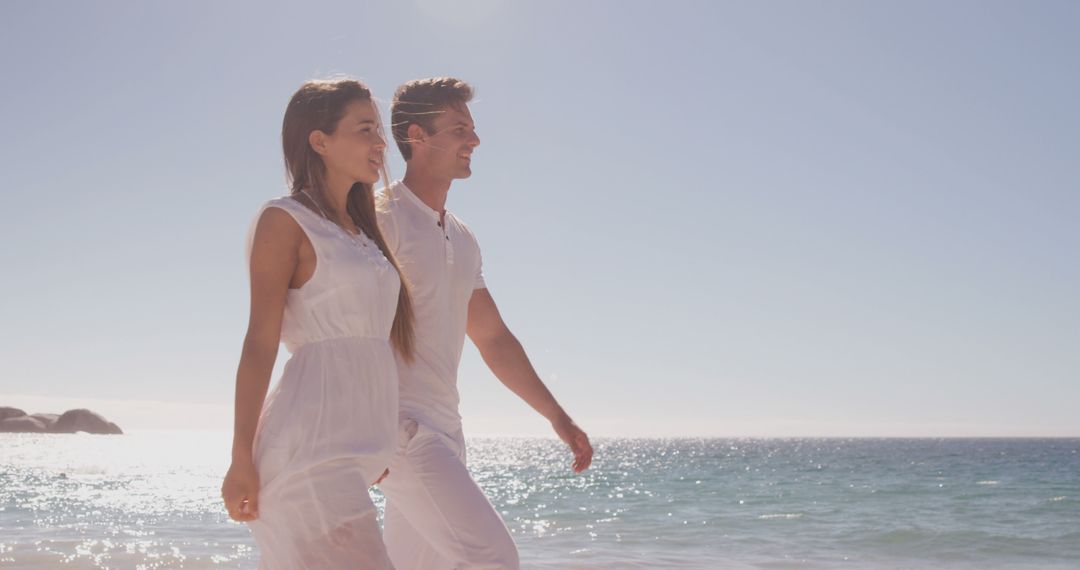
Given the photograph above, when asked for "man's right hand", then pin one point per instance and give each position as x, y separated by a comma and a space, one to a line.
574, 437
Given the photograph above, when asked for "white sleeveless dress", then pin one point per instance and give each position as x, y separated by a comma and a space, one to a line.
329, 427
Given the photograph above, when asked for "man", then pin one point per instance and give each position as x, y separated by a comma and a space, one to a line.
436, 515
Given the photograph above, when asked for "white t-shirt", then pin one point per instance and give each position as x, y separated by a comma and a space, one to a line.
441, 262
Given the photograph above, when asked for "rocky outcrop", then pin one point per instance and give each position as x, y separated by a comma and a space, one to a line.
23, 424
14, 420
72, 421
6, 413
47, 419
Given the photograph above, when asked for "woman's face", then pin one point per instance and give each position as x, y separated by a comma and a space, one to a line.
356, 149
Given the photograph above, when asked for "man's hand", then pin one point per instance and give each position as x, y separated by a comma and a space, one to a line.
574, 437
506, 358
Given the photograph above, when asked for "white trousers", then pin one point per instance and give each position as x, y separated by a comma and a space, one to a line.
437, 518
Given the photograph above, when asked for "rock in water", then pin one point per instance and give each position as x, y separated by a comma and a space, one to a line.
22, 424
72, 421
14, 420
6, 413
48, 419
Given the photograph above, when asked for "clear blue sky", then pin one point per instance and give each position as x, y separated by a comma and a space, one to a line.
727, 218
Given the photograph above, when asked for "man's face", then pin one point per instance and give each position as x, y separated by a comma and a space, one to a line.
447, 151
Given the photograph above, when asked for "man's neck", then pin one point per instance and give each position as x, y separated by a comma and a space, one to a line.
432, 191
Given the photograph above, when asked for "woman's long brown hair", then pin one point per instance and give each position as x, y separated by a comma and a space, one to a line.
318, 106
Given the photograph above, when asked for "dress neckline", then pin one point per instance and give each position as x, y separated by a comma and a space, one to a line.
360, 237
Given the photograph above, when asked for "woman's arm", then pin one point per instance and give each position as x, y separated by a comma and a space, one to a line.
274, 258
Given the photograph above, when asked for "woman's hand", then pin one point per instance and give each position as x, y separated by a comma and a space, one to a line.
240, 491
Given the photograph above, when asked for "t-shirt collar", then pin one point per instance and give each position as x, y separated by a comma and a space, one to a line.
400, 184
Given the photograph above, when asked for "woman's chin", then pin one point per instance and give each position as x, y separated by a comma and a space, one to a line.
369, 179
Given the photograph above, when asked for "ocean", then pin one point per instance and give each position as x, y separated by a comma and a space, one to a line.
151, 500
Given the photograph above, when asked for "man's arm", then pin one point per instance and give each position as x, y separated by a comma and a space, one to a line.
506, 358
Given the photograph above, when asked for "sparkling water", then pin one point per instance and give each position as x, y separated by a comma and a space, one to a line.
151, 500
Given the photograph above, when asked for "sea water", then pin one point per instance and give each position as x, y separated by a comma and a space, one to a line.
151, 500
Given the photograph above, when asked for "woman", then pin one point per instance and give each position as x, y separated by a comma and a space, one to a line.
323, 282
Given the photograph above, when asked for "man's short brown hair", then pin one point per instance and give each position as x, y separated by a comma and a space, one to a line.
419, 102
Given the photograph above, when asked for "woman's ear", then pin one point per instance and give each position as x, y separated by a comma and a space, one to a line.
317, 140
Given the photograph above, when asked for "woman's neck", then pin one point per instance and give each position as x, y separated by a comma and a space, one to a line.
335, 196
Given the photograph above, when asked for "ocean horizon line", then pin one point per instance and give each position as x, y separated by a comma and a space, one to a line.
641, 437
159, 415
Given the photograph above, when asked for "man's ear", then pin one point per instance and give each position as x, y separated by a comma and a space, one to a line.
317, 140
417, 134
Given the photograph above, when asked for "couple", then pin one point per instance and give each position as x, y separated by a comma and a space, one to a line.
373, 295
